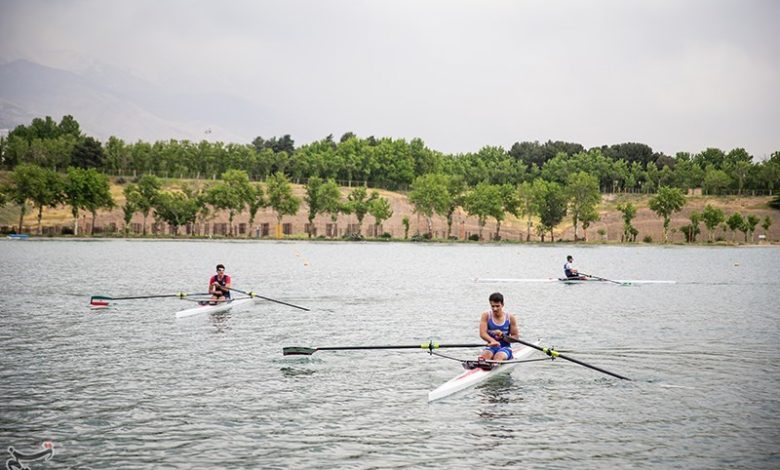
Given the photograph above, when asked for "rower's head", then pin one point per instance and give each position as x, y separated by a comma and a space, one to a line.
570, 258
220, 268
496, 301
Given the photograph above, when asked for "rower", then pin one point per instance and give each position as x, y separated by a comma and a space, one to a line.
570, 271
219, 285
494, 327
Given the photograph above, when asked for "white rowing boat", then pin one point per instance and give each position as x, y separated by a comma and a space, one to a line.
576, 281
476, 376
213, 308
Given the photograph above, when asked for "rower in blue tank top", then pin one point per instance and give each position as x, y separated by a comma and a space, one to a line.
494, 327
569, 270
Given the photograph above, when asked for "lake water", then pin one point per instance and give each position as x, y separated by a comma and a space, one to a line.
133, 387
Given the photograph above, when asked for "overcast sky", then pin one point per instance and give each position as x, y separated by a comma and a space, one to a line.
676, 75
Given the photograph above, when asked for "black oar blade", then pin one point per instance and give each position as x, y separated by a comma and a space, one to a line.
298, 351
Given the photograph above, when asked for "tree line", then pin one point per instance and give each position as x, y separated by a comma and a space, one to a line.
544, 182
88, 190
390, 163
547, 202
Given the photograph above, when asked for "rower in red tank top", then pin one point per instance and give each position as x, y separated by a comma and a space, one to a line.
219, 285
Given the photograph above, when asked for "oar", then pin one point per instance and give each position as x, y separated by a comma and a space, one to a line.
429, 346
180, 295
252, 294
553, 354
608, 280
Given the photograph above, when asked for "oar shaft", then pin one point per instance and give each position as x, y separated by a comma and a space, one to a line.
408, 346
180, 295
554, 354
601, 278
283, 303
252, 294
429, 346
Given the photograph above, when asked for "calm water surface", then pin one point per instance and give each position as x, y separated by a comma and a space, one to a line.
133, 387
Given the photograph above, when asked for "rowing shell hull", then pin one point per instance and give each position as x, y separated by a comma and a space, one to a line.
221, 307
577, 281
473, 377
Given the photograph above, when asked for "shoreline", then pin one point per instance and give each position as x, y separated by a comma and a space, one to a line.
99, 238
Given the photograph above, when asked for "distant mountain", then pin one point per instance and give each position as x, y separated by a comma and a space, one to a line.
107, 101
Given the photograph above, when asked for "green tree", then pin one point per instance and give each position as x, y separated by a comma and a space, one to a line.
281, 199
588, 218
88, 190
358, 203
88, 154
750, 226
584, 195
527, 208
692, 230
711, 156
132, 198
456, 189
665, 203
99, 195
740, 171
232, 194
715, 180
380, 208
118, 155
76, 193
765, 225
69, 126
41, 186
314, 200
712, 217
629, 212
510, 204
734, 223
176, 208
405, 223
550, 200
330, 195
484, 201
256, 201
430, 195
148, 189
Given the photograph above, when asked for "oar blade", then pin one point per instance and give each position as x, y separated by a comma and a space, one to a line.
298, 351
97, 302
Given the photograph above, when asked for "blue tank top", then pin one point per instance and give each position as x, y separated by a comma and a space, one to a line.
504, 327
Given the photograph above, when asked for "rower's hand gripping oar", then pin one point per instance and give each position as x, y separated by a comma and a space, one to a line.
604, 279
429, 346
253, 295
554, 354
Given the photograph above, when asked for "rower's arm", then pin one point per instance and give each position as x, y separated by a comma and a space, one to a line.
514, 330
483, 330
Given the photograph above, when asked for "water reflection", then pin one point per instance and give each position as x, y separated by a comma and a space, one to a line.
290, 372
498, 389
220, 321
